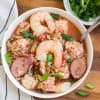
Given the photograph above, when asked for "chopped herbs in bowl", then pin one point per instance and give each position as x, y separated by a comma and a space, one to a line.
84, 10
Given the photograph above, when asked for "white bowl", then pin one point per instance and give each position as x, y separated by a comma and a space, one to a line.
69, 10
13, 27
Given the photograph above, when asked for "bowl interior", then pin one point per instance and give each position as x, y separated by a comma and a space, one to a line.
13, 27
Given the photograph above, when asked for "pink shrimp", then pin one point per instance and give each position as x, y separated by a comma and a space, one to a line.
51, 46
29, 82
42, 67
37, 20
62, 87
61, 26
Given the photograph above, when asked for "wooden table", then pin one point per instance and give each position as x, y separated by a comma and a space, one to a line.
94, 75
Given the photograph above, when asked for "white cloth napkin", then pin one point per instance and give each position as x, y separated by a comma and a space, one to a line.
5, 7
7, 90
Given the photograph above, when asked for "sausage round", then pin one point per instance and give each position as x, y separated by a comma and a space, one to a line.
78, 68
20, 66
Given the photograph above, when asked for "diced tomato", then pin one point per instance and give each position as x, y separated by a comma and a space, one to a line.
42, 37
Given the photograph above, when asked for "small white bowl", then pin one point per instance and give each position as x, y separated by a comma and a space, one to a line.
13, 27
69, 10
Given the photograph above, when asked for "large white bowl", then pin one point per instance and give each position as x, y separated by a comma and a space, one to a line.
13, 26
69, 10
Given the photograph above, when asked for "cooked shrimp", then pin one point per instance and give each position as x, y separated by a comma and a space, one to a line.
29, 82
61, 26
42, 67
62, 87
24, 26
74, 49
51, 46
48, 85
38, 19
19, 47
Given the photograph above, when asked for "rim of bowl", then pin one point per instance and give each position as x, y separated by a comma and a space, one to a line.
14, 25
69, 10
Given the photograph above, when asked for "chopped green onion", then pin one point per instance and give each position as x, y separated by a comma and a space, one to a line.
67, 37
8, 58
28, 35
82, 93
70, 60
58, 75
90, 86
50, 59
55, 16
45, 76
50, 63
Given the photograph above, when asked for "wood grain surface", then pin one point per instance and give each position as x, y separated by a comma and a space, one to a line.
94, 75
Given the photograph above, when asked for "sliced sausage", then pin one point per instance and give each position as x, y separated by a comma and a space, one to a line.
29, 82
78, 68
20, 66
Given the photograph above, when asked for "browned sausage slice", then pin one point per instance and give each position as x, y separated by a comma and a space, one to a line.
78, 68
20, 66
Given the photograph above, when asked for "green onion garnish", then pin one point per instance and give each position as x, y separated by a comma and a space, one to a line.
28, 35
67, 37
82, 93
70, 60
55, 16
8, 58
90, 86
58, 75
50, 59
45, 76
